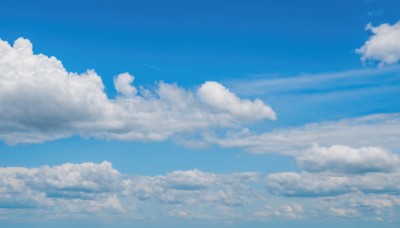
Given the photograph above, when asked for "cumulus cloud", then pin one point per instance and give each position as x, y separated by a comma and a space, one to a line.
378, 130
221, 99
344, 159
339, 170
384, 44
40, 100
99, 191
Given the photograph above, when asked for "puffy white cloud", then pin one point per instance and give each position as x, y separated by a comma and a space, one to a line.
378, 130
90, 189
98, 191
384, 44
339, 170
221, 99
40, 100
192, 179
123, 84
344, 159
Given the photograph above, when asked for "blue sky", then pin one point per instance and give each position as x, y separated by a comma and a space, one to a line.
177, 113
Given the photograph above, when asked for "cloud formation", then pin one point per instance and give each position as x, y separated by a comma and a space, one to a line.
339, 170
99, 191
378, 130
384, 44
344, 159
40, 100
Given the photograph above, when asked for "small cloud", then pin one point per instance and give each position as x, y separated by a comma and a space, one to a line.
383, 46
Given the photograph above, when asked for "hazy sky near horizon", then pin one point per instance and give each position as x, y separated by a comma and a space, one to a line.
200, 113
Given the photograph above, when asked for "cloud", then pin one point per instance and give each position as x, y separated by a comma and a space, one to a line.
328, 184
290, 211
378, 130
40, 101
319, 84
339, 170
100, 191
123, 85
384, 44
220, 98
97, 191
344, 159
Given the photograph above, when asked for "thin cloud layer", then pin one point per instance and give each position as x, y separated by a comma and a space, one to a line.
384, 44
378, 130
40, 101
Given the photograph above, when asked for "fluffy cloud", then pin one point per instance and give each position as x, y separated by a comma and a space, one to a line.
40, 100
339, 170
384, 45
344, 159
221, 99
98, 191
379, 130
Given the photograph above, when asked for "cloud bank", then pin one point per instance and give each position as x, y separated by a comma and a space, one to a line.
97, 191
384, 44
40, 101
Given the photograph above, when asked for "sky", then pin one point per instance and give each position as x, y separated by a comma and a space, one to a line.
200, 113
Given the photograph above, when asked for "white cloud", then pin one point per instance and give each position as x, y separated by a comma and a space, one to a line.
321, 84
221, 99
383, 46
327, 184
98, 191
379, 130
339, 170
344, 159
192, 179
123, 84
90, 189
40, 100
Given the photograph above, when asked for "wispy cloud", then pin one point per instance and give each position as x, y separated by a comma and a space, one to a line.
380, 130
262, 84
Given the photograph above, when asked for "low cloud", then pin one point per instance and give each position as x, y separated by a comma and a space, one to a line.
40, 101
339, 170
344, 159
99, 191
384, 44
